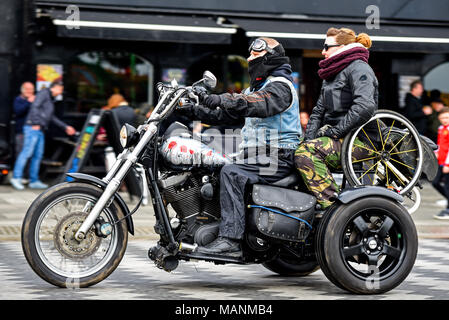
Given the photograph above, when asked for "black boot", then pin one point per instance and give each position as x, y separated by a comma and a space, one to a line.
221, 245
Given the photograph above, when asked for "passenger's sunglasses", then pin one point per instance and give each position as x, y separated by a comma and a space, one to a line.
259, 45
327, 46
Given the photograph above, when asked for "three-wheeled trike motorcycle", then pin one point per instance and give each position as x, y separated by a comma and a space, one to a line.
365, 243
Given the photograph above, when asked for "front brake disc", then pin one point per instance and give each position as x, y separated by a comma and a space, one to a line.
65, 242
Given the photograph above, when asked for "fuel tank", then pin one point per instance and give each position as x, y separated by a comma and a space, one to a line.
180, 148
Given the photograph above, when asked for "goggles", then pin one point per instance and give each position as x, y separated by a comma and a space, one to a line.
327, 46
259, 45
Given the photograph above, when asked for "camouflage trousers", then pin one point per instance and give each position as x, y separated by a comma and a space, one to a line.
314, 158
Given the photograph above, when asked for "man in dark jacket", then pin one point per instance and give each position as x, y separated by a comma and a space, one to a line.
414, 108
39, 117
22, 104
270, 111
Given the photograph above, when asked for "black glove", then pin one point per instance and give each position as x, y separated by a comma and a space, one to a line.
185, 110
211, 101
200, 92
324, 131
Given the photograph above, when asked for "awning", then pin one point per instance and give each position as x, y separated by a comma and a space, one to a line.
141, 27
311, 34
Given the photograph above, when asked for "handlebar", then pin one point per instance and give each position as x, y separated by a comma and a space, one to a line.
166, 103
170, 96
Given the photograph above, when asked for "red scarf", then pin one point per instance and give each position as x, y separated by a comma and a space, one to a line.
330, 67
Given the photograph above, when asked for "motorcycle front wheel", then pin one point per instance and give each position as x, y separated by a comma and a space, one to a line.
48, 241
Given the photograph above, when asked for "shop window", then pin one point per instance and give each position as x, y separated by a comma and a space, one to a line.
231, 72
92, 77
438, 79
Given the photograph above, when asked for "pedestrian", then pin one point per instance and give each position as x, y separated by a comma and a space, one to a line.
441, 181
40, 115
122, 110
21, 106
304, 118
348, 99
414, 109
433, 123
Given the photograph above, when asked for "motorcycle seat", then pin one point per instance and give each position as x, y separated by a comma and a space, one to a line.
290, 180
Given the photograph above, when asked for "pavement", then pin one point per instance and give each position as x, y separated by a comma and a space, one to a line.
14, 204
137, 278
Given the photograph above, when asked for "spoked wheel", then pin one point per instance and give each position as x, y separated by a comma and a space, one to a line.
48, 238
386, 151
368, 246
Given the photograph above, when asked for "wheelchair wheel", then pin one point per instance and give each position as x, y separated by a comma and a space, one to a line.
386, 151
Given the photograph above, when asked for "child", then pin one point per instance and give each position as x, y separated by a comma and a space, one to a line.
443, 161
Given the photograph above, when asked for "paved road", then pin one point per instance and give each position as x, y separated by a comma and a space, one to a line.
138, 278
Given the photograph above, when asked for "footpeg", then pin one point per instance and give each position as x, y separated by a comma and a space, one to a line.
186, 247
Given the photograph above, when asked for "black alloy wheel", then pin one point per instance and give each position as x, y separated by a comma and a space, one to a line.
369, 246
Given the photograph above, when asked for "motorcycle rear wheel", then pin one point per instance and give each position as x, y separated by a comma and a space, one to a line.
286, 267
368, 246
48, 237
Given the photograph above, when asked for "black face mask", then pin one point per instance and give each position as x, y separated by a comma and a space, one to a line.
260, 68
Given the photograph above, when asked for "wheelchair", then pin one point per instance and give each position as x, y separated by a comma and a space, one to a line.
395, 156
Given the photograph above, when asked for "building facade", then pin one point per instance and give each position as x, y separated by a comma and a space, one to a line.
101, 47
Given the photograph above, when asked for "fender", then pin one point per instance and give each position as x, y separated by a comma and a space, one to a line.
82, 177
354, 193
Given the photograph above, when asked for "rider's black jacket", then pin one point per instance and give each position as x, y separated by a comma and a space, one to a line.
346, 102
273, 99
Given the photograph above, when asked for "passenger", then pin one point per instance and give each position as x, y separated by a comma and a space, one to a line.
348, 99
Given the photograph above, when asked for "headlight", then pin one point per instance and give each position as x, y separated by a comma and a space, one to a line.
128, 135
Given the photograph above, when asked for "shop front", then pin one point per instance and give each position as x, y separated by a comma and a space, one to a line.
103, 47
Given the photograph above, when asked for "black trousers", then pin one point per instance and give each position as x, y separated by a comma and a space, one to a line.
441, 183
235, 178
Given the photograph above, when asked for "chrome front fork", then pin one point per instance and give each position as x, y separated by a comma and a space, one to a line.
114, 178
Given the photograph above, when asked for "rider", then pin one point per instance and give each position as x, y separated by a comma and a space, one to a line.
269, 109
348, 99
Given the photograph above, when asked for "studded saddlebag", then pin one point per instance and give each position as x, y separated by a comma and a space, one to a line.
270, 207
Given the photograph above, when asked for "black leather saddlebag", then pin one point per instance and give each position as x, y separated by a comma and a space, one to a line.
281, 213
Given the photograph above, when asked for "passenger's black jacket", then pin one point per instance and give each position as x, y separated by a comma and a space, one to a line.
273, 99
346, 102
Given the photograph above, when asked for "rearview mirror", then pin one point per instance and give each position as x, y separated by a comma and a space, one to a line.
174, 84
209, 79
